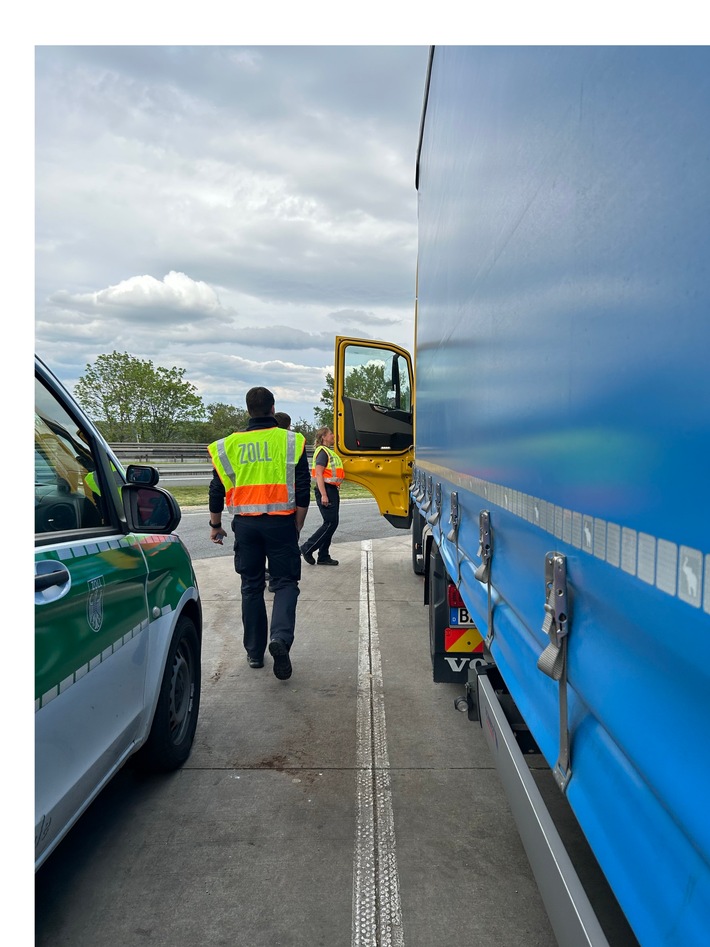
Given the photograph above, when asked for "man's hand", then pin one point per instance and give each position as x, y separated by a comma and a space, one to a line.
217, 534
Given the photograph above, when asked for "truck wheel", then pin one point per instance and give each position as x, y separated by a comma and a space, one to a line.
173, 730
418, 564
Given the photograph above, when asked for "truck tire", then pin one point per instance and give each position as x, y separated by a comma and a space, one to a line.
173, 729
418, 564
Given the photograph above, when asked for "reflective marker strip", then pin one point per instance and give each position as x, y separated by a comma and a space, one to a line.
680, 571
462, 639
76, 551
377, 909
89, 666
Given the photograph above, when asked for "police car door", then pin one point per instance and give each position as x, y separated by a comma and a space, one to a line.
90, 618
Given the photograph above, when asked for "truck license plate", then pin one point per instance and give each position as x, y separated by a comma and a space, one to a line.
460, 618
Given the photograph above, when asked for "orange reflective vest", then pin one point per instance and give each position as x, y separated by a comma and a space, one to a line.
258, 470
334, 472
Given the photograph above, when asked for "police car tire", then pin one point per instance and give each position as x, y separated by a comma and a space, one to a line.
171, 735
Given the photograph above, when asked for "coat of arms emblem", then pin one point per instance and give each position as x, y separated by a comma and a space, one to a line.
95, 603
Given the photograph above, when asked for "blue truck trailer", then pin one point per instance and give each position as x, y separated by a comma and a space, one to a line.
548, 445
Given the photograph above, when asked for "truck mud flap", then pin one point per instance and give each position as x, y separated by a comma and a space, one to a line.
455, 651
571, 915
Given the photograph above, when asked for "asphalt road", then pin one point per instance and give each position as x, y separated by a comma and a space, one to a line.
359, 519
275, 832
350, 806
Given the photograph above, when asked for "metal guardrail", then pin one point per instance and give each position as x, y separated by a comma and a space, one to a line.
149, 452
159, 454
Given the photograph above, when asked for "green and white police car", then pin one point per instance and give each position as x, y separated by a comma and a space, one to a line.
118, 619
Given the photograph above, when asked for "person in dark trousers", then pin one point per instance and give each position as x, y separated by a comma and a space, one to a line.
327, 473
262, 476
283, 420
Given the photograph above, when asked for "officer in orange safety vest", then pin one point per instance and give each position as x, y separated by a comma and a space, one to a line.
262, 476
327, 475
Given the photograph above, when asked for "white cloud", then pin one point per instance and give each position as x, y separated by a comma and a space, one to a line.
248, 201
175, 293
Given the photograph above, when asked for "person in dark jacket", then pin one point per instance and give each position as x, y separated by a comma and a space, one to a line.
283, 420
327, 473
269, 496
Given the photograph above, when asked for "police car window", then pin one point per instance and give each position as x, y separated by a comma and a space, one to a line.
67, 492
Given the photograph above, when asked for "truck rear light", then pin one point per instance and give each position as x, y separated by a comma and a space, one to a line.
454, 596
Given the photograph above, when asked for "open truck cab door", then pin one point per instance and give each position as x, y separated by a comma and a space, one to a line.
373, 421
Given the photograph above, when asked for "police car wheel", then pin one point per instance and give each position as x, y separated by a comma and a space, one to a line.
173, 729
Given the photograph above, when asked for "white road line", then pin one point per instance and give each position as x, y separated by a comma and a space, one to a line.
377, 909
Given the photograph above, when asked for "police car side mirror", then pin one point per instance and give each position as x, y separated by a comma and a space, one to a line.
149, 509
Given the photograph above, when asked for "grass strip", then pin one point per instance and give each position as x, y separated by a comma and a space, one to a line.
198, 496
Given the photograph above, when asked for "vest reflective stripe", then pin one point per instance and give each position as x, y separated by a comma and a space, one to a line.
258, 470
334, 472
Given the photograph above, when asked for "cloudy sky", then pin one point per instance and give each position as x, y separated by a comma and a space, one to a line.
225, 209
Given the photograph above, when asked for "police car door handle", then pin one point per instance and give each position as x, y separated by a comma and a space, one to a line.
46, 580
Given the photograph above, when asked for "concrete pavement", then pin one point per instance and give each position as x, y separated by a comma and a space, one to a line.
349, 806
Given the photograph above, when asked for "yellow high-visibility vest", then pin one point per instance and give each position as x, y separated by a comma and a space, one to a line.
258, 470
90, 480
334, 472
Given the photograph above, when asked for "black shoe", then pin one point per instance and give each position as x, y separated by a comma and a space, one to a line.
328, 562
308, 556
282, 662
255, 662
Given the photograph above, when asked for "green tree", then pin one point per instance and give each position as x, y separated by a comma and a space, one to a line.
365, 383
132, 400
223, 419
306, 428
324, 412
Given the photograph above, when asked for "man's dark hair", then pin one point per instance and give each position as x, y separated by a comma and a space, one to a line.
283, 419
260, 401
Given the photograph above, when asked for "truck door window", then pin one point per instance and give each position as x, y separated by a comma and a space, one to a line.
67, 492
376, 400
